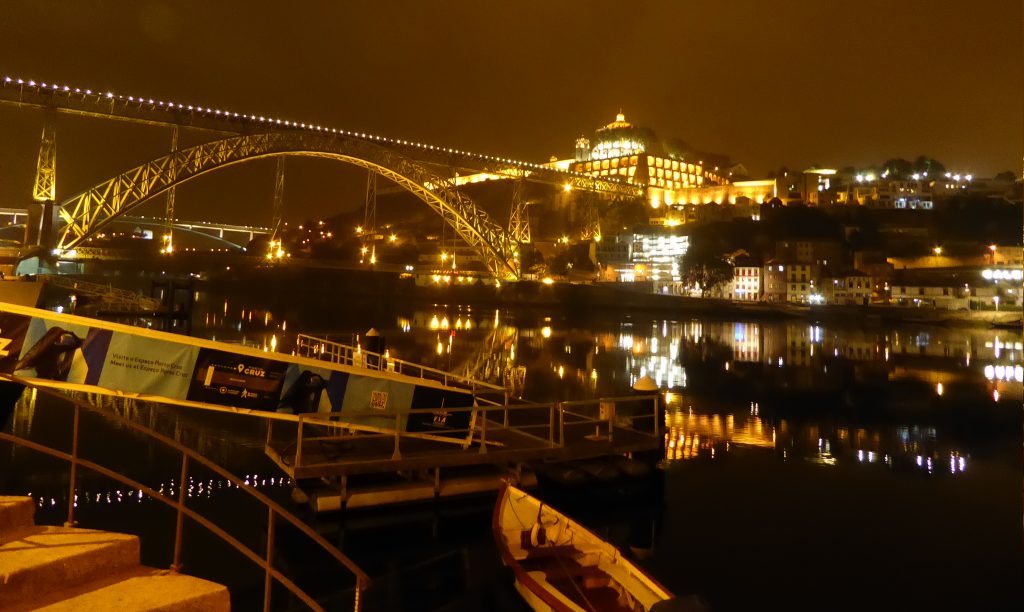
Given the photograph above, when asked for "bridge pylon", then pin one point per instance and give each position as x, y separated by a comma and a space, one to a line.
370, 209
519, 218
278, 215
591, 226
39, 229
168, 246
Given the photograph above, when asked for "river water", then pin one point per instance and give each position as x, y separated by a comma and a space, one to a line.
806, 466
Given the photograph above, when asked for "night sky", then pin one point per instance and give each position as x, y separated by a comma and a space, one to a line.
770, 83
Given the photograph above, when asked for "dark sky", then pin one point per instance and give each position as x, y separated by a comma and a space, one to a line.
768, 82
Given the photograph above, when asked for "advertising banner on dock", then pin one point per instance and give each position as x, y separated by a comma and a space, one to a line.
49, 347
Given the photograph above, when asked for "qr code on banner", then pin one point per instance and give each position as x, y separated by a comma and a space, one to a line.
378, 400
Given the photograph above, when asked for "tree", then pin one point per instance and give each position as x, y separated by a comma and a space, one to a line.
933, 167
898, 168
706, 272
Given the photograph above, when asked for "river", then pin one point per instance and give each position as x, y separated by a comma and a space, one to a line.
806, 466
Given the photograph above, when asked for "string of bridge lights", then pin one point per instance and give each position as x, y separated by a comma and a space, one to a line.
271, 121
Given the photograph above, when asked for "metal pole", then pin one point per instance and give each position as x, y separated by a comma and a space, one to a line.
483, 430
551, 426
611, 420
506, 409
298, 445
74, 471
397, 455
268, 579
657, 428
561, 425
176, 563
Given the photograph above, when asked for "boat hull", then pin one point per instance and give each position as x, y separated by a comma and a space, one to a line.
560, 565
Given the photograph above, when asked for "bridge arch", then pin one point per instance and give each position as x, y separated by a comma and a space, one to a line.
87, 212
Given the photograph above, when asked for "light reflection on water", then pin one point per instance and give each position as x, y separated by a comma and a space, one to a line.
873, 390
917, 420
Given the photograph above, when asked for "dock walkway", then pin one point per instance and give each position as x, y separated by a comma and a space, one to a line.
500, 437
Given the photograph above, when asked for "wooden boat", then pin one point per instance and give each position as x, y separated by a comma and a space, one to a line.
559, 565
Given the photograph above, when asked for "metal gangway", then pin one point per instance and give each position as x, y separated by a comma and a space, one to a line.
323, 349
110, 298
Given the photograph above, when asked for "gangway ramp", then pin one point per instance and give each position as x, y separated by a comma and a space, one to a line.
500, 437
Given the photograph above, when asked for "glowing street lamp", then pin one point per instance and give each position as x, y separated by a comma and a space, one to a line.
937, 250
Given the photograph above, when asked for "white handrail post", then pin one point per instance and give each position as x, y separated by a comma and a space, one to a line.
561, 425
657, 428
611, 420
397, 455
551, 424
483, 430
298, 445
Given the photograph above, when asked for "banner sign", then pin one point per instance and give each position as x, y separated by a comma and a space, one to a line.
46, 346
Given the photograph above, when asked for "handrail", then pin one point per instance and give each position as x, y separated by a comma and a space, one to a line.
107, 293
555, 425
345, 355
187, 455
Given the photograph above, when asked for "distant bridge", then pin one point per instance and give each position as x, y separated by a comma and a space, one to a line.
227, 233
427, 171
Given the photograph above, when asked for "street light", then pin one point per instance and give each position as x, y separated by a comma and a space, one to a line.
937, 250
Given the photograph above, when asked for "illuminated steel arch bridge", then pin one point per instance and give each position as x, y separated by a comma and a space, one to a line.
427, 171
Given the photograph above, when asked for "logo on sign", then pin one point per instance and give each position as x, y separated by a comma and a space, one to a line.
251, 370
378, 400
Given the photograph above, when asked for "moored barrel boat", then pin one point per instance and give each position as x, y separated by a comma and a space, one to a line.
560, 565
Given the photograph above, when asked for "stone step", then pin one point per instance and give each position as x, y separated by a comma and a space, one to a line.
16, 514
145, 589
47, 559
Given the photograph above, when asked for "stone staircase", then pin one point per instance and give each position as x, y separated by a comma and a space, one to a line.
67, 568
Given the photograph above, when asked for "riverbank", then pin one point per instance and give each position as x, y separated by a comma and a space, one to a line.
329, 285
588, 298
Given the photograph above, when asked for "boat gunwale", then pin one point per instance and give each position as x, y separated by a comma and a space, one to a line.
528, 581
506, 554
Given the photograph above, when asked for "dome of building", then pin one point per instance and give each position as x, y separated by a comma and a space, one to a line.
620, 138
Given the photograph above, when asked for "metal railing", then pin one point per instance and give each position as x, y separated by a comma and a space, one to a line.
344, 354
546, 428
607, 412
109, 296
188, 456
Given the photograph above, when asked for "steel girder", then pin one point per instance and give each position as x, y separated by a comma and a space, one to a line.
108, 105
44, 188
87, 212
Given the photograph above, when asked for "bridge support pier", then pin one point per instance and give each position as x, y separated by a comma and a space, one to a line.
41, 225
168, 237
42, 216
